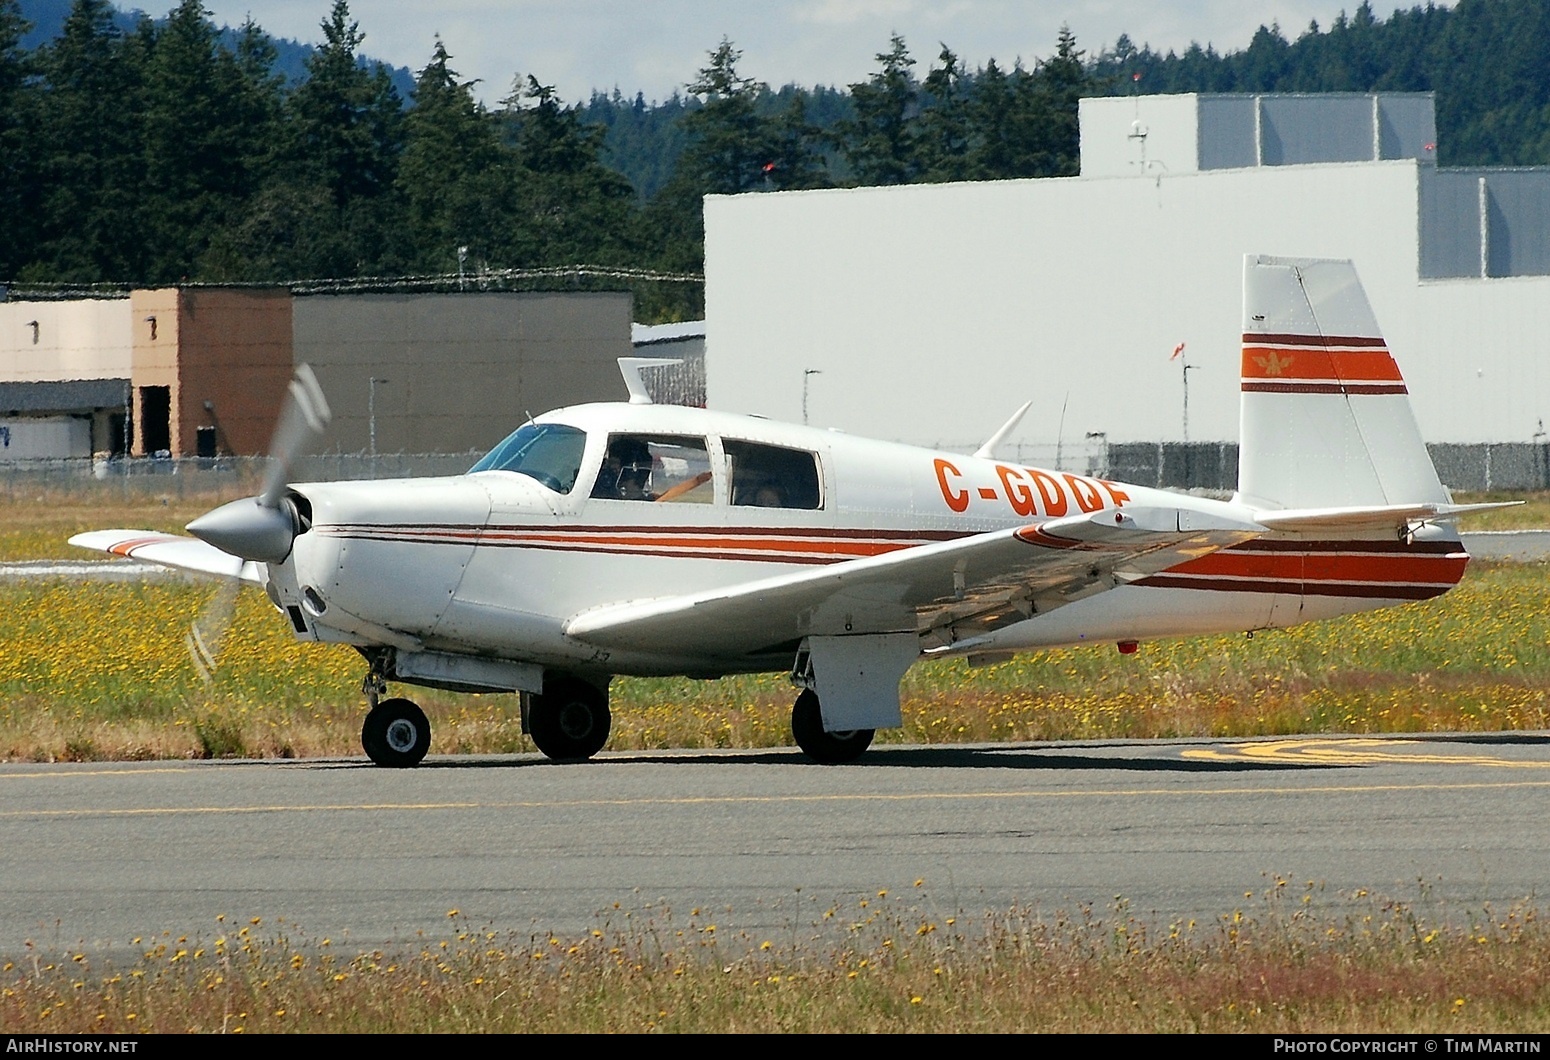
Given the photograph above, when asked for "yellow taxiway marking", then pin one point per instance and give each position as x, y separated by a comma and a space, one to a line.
733, 800
1351, 752
123, 772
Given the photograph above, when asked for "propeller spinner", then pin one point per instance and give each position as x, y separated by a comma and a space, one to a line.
262, 528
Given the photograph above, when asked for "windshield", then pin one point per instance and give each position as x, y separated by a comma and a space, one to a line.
547, 452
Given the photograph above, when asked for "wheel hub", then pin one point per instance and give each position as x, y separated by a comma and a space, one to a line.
575, 720
401, 735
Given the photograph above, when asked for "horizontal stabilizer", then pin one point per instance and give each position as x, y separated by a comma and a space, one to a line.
170, 550
1383, 517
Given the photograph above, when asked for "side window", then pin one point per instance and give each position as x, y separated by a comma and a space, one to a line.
768, 476
661, 468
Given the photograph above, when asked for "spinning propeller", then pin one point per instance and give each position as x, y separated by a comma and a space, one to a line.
262, 528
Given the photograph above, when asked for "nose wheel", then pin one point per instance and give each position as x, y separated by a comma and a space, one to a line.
396, 734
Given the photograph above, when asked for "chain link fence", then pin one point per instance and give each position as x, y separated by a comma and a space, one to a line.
1210, 466
199, 476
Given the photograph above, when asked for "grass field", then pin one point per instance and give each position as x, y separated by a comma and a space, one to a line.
101, 670
1291, 959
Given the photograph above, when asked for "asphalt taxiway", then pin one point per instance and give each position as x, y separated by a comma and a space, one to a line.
98, 854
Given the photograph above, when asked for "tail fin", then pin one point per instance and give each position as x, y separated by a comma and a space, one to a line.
1325, 417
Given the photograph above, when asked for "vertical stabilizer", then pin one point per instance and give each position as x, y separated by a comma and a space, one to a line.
1325, 416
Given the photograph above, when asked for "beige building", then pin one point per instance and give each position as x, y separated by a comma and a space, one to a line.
202, 371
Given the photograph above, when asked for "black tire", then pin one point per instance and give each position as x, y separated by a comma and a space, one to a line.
830, 748
570, 720
396, 734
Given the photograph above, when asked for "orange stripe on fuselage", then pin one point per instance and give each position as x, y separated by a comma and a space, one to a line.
1431, 569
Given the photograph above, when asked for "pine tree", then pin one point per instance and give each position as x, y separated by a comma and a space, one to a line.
345, 133
731, 142
575, 209
91, 162
880, 143
19, 185
944, 132
197, 139
455, 177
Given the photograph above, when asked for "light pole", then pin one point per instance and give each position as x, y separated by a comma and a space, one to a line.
371, 420
1185, 367
805, 373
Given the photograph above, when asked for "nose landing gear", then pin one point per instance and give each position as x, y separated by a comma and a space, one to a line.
397, 733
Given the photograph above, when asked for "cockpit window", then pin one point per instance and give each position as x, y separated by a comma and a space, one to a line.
769, 476
654, 467
547, 452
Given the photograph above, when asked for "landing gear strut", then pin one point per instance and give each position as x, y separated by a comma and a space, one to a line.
830, 748
396, 733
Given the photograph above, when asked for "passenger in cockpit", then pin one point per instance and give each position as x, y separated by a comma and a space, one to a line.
626, 471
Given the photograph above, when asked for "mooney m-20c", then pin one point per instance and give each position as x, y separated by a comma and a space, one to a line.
644, 539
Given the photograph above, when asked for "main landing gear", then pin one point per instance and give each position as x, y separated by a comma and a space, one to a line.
830, 748
397, 733
569, 720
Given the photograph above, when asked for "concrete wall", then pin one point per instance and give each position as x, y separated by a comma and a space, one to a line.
154, 330
44, 437
934, 310
1176, 134
457, 372
235, 356
85, 339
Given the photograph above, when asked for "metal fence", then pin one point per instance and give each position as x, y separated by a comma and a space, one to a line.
1512, 466
199, 476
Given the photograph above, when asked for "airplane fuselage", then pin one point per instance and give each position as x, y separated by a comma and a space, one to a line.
496, 563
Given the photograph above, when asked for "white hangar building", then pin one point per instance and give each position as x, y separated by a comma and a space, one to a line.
928, 313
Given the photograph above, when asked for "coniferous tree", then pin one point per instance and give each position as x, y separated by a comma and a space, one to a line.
880, 142
345, 133
944, 134
197, 138
575, 209
730, 141
19, 185
91, 163
455, 177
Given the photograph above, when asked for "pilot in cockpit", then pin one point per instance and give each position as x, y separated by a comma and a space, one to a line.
626, 471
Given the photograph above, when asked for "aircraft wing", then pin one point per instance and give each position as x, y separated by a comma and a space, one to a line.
954, 589
170, 550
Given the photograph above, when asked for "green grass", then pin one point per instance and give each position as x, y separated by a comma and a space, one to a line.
100, 671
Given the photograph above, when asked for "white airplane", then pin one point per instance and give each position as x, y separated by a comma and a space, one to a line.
644, 539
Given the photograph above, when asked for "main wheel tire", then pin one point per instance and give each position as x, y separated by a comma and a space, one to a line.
830, 748
569, 721
397, 734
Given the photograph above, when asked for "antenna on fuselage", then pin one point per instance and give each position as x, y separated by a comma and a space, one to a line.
630, 367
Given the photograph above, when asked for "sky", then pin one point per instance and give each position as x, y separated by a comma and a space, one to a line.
657, 46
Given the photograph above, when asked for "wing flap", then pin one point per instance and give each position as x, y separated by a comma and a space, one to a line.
170, 550
953, 588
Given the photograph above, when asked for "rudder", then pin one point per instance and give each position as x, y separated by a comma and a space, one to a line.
1325, 418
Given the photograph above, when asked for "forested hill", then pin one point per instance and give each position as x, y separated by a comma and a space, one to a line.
46, 18
157, 151
1488, 61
